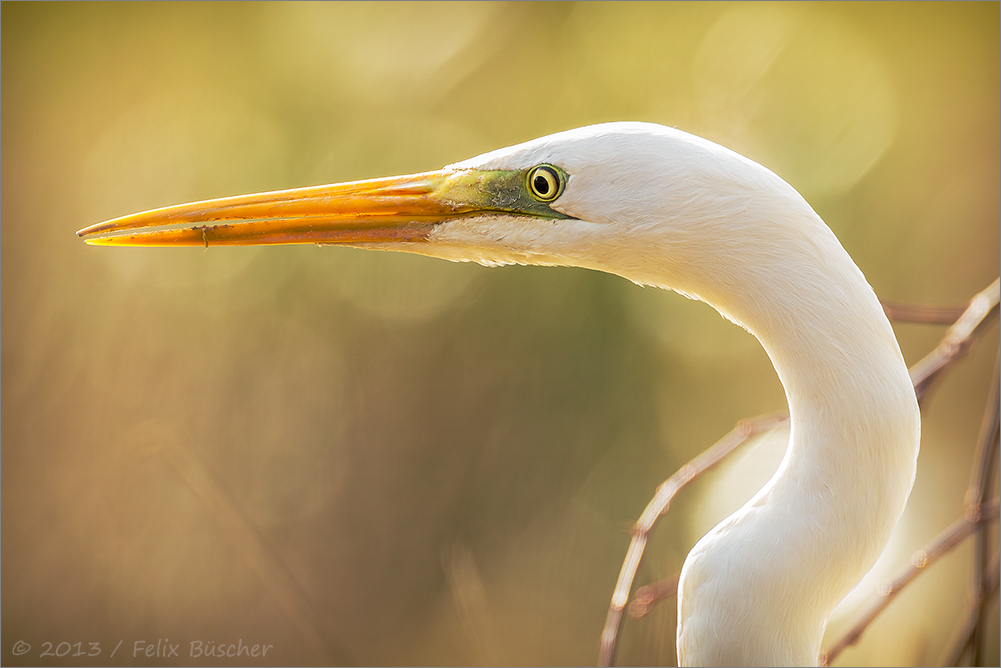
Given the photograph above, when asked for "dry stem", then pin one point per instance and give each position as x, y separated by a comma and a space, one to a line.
888, 589
922, 313
957, 339
648, 596
980, 489
963, 634
657, 507
970, 322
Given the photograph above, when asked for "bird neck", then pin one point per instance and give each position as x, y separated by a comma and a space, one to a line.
854, 417
851, 402
772, 573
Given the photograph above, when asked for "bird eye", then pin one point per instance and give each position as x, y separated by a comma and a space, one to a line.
546, 183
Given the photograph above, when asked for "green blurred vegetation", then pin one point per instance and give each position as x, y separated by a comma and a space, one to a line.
374, 458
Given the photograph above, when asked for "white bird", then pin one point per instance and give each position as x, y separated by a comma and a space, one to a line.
665, 208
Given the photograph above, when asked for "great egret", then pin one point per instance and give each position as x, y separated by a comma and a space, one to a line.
665, 208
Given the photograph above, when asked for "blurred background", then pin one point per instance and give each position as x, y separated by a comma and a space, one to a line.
371, 458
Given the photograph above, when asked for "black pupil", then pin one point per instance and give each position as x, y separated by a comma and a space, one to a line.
542, 185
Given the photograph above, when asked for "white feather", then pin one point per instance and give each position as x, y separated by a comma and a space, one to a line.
662, 207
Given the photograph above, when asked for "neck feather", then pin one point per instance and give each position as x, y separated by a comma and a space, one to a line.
762, 584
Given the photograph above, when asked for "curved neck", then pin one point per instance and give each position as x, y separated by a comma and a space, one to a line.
854, 416
771, 574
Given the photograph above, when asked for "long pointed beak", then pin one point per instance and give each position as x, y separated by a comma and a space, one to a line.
401, 208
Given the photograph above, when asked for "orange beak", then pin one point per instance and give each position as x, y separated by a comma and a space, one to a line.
401, 208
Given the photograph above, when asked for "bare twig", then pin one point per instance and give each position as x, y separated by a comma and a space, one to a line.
980, 489
650, 595
969, 322
888, 589
962, 635
956, 340
744, 430
923, 313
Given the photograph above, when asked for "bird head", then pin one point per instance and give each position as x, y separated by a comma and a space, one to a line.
651, 203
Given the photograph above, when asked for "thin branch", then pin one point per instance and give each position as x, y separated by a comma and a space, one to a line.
888, 589
957, 339
923, 313
970, 322
962, 637
650, 595
744, 430
980, 489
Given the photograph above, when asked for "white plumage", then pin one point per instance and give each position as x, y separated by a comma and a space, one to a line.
664, 208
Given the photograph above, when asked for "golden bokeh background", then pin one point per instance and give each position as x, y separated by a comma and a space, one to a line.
372, 458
